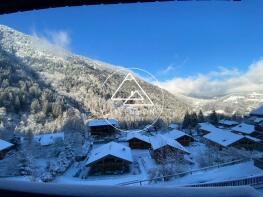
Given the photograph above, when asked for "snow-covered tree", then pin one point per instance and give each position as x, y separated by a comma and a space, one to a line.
213, 118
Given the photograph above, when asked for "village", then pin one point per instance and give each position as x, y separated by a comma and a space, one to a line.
107, 155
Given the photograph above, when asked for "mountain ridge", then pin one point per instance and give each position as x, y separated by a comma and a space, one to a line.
80, 78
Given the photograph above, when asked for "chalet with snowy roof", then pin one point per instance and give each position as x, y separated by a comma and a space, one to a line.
164, 149
226, 138
180, 137
102, 127
137, 140
222, 138
227, 123
49, 138
111, 158
206, 127
4, 148
245, 129
250, 143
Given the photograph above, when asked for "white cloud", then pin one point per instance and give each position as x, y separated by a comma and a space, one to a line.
60, 38
167, 69
56, 41
216, 83
176, 65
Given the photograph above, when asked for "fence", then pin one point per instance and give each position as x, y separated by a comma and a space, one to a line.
163, 178
256, 180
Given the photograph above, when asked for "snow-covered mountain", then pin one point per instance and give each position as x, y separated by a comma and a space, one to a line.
240, 103
79, 78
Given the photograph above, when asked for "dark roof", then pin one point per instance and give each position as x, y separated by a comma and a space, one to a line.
10, 6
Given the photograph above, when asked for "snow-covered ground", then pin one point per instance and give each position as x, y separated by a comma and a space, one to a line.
241, 170
145, 168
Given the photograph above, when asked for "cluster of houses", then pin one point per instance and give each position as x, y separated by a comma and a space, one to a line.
115, 157
229, 133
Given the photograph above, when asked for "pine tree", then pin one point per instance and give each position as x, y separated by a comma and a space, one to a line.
200, 116
45, 107
56, 109
35, 106
213, 118
186, 121
17, 104
194, 120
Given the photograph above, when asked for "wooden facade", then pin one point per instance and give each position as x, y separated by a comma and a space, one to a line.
185, 140
4, 152
102, 130
167, 153
242, 143
136, 143
248, 144
259, 127
214, 144
258, 162
109, 165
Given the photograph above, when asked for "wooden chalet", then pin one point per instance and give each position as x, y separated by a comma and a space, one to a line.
226, 138
166, 149
111, 158
102, 127
4, 148
138, 140
222, 139
180, 137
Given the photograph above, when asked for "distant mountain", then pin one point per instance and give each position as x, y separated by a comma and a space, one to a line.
77, 80
239, 103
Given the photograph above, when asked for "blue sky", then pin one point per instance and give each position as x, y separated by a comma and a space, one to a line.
173, 39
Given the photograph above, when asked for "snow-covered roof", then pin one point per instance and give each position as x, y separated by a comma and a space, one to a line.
258, 120
257, 112
228, 122
102, 122
110, 149
253, 138
138, 135
224, 137
160, 141
49, 138
173, 126
208, 127
244, 128
175, 134
4, 145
